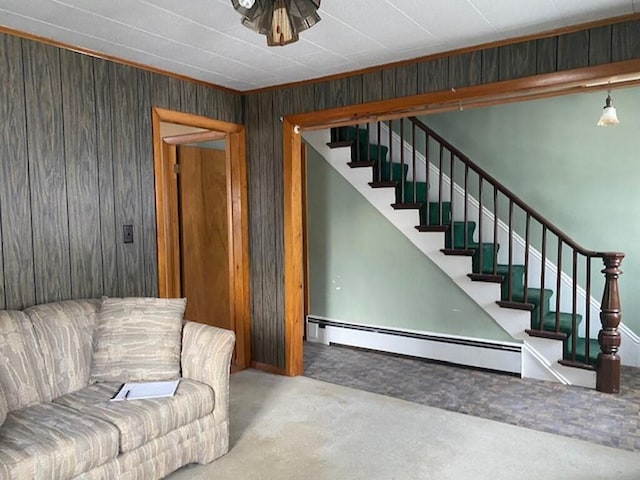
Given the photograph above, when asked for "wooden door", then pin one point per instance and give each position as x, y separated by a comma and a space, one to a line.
204, 235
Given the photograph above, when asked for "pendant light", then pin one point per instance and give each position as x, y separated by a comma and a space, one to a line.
609, 115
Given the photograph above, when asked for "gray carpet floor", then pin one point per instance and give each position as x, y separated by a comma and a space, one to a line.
299, 428
611, 420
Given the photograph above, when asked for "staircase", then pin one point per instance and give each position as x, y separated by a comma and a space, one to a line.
453, 198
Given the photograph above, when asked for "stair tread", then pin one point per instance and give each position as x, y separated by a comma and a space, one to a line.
340, 144
364, 164
383, 184
485, 277
406, 206
431, 228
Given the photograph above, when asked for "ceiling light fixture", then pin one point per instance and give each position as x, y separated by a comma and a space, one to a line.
279, 20
609, 115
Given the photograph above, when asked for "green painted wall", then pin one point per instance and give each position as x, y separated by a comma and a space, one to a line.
582, 178
347, 236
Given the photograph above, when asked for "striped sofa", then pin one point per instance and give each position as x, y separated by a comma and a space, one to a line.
56, 424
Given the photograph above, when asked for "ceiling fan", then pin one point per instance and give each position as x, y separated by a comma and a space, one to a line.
279, 20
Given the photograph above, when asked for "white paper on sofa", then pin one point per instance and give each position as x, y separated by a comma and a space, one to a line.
141, 390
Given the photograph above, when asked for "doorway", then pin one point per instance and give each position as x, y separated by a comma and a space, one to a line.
201, 220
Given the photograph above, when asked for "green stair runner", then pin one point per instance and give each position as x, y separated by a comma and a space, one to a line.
436, 214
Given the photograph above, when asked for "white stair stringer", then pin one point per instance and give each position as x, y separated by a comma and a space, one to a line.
539, 356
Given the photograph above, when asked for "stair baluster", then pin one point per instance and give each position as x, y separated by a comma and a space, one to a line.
514, 278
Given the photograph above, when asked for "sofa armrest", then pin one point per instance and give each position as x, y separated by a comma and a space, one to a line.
206, 357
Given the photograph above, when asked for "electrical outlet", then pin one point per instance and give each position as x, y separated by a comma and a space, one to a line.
127, 234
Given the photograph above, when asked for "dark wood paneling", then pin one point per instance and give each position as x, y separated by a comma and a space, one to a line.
231, 109
388, 84
321, 95
600, 45
109, 235
272, 312
301, 98
573, 50
407, 80
281, 104
175, 94
626, 41
80, 148
188, 97
372, 86
433, 75
147, 188
518, 60
332, 94
546, 55
465, 69
75, 165
15, 202
159, 91
490, 65
207, 102
354, 96
47, 172
126, 176
255, 172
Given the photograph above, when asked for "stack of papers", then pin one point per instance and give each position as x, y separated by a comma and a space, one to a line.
140, 390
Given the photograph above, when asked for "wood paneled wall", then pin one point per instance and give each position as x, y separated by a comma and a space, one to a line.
76, 159
594, 46
76, 164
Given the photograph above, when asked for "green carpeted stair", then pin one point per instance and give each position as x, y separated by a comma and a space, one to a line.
435, 216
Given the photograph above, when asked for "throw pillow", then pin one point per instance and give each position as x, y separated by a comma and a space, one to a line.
138, 339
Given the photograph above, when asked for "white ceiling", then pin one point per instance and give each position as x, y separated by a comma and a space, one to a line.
203, 39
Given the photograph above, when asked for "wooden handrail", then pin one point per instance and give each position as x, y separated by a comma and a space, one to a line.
510, 195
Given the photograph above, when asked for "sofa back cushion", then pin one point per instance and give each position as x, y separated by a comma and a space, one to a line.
138, 339
22, 369
64, 331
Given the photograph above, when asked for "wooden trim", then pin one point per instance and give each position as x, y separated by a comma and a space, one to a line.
166, 213
293, 271
195, 137
112, 58
305, 232
537, 86
239, 232
326, 78
190, 120
167, 220
265, 367
502, 92
449, 53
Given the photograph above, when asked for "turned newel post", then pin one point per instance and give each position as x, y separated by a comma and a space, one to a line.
608, 366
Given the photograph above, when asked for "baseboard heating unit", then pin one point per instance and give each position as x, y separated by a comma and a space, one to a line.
473, 352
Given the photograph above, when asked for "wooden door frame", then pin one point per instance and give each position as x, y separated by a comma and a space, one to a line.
167, 219
529, 88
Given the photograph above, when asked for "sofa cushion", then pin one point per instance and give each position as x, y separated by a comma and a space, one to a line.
48, 441
65, 332
140, 421
138, 339
22, 369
